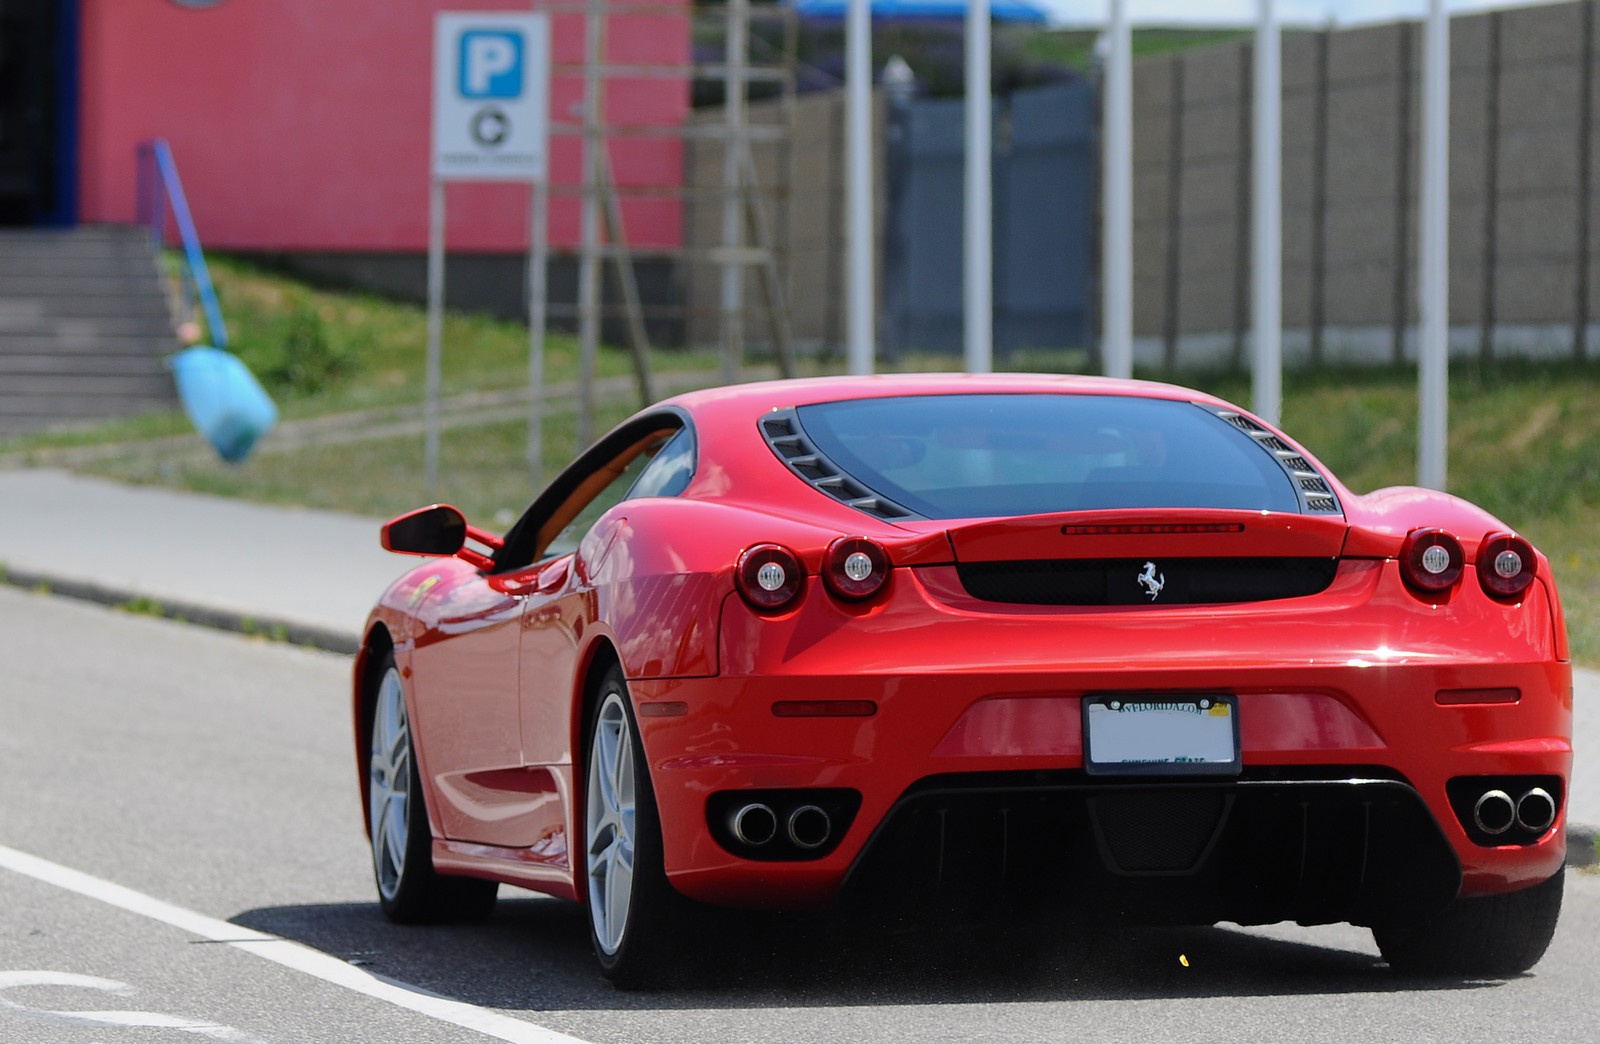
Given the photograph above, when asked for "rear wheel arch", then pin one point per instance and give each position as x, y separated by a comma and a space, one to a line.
601, 656
368, 673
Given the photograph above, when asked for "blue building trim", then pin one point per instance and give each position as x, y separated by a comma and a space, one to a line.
64, 210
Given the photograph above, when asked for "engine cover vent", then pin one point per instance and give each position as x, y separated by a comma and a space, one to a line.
1315, 494
783, 433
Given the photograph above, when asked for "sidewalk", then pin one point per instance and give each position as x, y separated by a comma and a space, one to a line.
312, 576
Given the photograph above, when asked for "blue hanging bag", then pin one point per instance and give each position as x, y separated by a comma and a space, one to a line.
224, 400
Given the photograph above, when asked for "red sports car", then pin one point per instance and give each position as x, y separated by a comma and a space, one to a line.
1025, 644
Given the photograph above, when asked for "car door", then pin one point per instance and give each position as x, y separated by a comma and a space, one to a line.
464, 672
576, 529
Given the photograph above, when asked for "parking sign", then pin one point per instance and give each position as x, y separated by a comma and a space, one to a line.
491, 96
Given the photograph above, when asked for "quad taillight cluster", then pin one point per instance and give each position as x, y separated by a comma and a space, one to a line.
772, 579
1432, 561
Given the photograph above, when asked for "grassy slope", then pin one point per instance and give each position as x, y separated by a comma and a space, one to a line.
1524, 439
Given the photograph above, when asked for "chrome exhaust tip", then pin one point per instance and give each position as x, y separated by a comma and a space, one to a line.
809, 827
1494, 813
1536, 810
754, 824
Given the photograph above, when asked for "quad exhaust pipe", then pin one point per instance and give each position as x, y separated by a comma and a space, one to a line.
1536, 810
809, 827
1495, 811
754, 824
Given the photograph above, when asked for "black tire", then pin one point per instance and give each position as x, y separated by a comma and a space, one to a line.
633, 910
1493, 937
409, 889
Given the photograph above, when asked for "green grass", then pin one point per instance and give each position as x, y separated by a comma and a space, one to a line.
1074, 48
374, 351
482, 470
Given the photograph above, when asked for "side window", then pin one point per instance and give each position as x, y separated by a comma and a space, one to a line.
670, 471
604, 489
653, 455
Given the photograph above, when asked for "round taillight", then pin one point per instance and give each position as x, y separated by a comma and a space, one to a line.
1431, 560
855, 568
1506, 565
769, 576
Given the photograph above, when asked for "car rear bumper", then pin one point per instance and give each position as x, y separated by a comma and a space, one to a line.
1356, 708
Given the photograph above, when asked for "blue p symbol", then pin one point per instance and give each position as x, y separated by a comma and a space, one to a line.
491, 64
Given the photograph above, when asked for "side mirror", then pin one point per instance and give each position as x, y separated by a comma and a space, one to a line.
440, 530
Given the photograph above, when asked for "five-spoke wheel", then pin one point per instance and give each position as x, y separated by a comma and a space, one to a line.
631, 905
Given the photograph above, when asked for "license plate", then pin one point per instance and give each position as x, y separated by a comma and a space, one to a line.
1161, 735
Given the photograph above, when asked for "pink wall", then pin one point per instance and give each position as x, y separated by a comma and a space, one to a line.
302, 125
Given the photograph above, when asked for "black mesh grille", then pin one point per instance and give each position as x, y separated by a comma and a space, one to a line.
1123, 581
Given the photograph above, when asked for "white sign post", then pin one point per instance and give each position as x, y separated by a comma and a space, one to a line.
491, 122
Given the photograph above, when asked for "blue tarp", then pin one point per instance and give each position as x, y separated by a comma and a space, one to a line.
925, 10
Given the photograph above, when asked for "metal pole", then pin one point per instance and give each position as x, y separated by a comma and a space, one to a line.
1433, 253
736, 52
589, 223
1491, 194
1117, 233
979, 242
1267, 266
430, 408
1585, 135
859, 288
538, 264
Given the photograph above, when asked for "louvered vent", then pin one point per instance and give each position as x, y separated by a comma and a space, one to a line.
787, 439
1315, 495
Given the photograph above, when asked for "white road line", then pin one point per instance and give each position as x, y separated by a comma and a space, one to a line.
288, 953
120, 1019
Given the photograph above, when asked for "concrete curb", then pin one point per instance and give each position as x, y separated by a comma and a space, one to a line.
1581, 838
288, 631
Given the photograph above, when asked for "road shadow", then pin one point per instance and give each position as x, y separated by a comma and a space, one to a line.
534, 955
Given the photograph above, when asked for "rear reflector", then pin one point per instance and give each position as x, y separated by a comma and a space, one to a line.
665, 709
824, 709
1470, 697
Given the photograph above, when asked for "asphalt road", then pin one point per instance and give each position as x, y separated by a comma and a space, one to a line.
181, 858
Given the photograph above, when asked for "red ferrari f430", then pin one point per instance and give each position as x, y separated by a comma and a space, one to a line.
1027, 644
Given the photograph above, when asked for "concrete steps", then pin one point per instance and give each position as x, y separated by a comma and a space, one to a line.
85, 327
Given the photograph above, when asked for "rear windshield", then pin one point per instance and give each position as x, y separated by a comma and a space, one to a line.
974, 456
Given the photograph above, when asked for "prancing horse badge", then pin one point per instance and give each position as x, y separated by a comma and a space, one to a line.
1152, 581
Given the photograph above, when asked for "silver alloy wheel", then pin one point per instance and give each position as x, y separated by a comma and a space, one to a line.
389, 785
610, 823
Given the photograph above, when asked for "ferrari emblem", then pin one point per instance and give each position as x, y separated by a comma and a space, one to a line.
1152, 581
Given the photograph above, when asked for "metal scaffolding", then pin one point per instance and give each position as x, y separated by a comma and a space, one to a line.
750, 236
